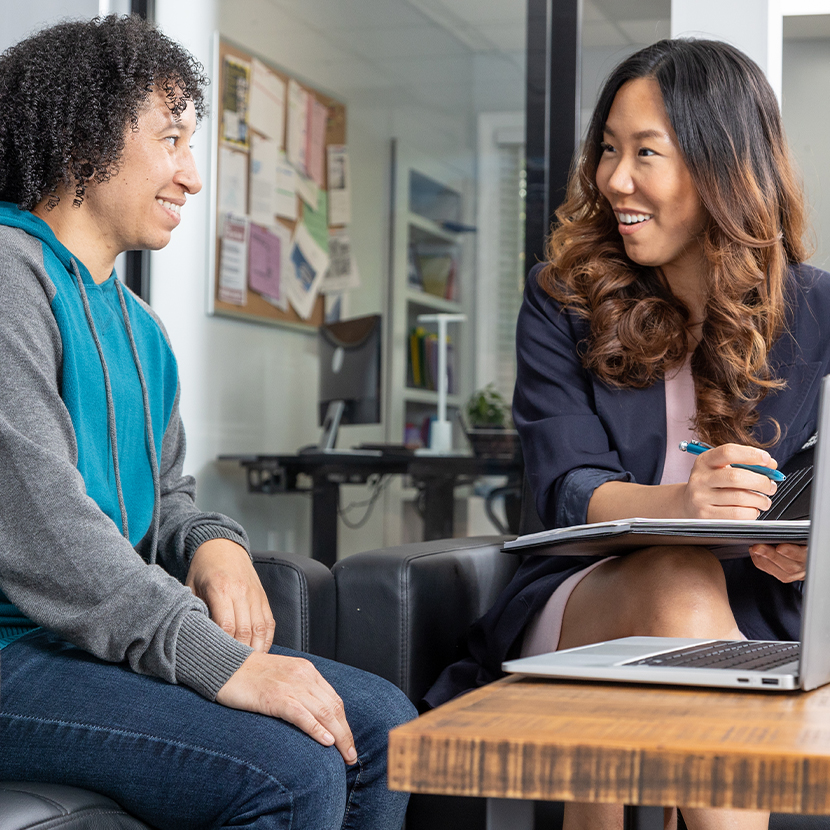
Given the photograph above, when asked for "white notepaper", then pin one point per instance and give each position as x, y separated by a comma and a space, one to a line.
263, 189
339, 182
286, 189
233, 182
266, 112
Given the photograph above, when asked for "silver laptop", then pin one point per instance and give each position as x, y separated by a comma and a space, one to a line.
752, 664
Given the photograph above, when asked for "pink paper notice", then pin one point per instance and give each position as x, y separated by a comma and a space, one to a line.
316, 140
264, 262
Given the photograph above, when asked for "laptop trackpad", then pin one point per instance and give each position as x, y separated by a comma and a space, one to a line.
614, 652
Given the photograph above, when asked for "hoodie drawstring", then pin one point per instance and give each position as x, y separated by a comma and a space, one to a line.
148, 427
148, 420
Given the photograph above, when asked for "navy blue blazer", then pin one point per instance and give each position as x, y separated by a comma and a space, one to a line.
577, 433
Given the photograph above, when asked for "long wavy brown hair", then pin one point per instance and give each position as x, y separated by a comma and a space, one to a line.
729, 130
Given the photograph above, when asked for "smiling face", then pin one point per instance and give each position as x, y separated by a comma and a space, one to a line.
644, 177
139, 207
141, 203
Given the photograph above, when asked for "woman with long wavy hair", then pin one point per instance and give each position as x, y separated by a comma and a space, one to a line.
674, 306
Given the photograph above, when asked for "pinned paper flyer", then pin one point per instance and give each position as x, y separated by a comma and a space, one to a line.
235, 91
315, 220
342, 272
267, 261
309, 263
267, 102
339, 182
233, 260
264, 154
296, 137
308, 191
318, 115
286, 189
233, 182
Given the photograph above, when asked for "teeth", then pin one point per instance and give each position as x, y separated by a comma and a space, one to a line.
633, 218
170, 206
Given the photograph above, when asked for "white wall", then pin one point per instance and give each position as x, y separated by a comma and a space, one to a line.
252, 388
753, 26
21, 19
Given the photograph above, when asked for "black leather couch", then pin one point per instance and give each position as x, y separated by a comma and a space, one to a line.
302, 596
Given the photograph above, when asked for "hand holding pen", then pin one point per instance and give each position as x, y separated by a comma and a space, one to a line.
698, 447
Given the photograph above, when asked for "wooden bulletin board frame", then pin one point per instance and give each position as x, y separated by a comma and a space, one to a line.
256, 308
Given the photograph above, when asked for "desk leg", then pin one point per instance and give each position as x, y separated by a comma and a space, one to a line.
510, 814
643, 818
439, 503
325, 500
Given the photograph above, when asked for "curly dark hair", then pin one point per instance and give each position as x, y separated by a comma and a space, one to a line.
728, 126
69, 93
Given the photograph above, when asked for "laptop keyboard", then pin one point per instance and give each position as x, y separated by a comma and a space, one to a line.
726, 654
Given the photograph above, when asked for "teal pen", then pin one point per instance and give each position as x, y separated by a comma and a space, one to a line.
697, 447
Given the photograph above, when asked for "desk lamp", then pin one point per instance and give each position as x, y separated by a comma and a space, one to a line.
440, 432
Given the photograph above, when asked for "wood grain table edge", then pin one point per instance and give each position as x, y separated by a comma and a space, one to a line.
444, 752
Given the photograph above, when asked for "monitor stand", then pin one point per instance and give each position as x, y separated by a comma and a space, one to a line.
331, 424
328, 437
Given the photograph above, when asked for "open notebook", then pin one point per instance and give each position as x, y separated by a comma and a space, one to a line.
740, 664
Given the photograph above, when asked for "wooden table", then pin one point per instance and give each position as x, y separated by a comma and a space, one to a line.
522, 738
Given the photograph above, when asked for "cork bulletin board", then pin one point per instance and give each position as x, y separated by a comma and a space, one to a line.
268, 120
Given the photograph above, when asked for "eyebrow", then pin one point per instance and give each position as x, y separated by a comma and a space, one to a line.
640, 136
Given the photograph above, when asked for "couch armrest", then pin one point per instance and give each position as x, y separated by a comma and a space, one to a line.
403, 612
25, 806
302, 597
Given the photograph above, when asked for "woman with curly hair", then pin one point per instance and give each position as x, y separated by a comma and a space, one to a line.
136, 638
674, 306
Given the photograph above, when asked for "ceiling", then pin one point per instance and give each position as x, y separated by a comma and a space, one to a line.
499, 25
438, 49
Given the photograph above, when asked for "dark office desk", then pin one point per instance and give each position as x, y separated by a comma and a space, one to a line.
436, 476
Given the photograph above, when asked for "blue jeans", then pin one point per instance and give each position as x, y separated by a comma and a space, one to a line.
176, 760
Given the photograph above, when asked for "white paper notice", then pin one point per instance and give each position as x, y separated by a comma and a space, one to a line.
233, 182
308, 191
342, 273
266, 110
264, 159
233, 261
309, 263
298, 103
340, 186
286, 189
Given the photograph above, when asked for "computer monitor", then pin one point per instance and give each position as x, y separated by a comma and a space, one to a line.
349, 391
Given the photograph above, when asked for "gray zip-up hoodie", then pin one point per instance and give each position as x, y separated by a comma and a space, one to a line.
67, 561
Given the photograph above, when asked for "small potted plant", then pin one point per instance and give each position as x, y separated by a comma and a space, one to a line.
488, 424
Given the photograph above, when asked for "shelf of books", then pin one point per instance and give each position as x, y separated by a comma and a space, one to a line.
431, 259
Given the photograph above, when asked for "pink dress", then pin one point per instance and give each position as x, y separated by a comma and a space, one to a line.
542, 635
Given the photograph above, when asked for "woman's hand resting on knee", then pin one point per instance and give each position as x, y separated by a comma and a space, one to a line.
291, 688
